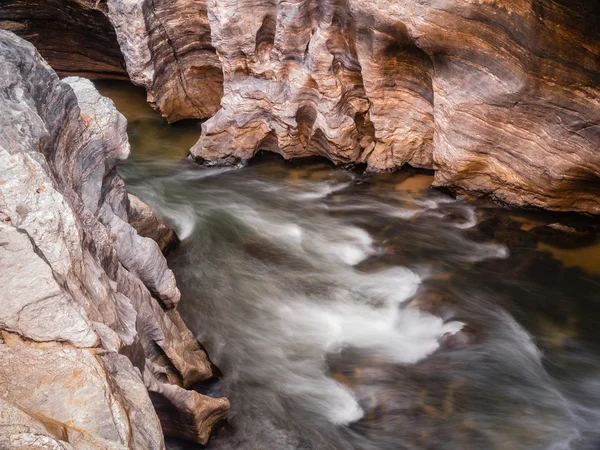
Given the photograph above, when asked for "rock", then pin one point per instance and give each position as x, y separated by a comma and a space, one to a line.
517, 109
167, 48
74, 36
565, 236
37, 307
465, 337
501, 98
147, 224
71, 387
162, 45
87, 303
23, 431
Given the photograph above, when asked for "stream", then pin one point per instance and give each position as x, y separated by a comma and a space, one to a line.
350, 310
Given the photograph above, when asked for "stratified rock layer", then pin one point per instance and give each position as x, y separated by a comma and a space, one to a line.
501, 98
87, 325
167, 49
74, 36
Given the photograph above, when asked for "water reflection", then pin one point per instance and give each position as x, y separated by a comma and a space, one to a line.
357, 311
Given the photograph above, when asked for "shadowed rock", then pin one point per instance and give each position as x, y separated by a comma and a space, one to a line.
74, 36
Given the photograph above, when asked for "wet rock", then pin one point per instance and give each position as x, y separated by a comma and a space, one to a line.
80, 285
504, 230
186, 415
436, 301
462, 338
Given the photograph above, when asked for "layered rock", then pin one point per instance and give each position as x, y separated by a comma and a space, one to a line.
167, 49
165, 46
74, 36
501, 98
312, 78
90, 338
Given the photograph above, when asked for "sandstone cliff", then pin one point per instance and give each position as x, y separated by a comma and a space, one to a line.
93, 353
499, 97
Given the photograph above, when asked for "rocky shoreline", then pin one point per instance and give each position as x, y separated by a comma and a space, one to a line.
93, 353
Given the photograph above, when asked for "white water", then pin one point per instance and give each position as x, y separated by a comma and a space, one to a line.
303, 292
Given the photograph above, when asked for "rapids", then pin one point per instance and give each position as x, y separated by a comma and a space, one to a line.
363, 311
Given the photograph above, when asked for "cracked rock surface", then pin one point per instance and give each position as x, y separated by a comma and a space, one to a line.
89, 330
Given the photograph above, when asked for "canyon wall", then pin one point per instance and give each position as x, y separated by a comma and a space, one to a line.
93, 353
162, 45
74, 36
499, 97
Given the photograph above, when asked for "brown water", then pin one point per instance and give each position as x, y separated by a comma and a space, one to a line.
362, 311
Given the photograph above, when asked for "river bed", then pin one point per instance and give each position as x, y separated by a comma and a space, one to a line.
367, 311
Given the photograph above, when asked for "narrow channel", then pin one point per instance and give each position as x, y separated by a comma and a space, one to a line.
367, 311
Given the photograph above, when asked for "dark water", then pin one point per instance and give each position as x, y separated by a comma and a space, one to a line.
360, 311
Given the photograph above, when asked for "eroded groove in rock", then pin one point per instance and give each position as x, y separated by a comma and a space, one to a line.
162, 45
168, 50
319, 79
81, 288
500, 98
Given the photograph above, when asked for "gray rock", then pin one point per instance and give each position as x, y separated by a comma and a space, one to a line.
79, 284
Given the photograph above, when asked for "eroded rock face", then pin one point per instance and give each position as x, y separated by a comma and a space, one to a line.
167, 48
74, 36
162, 45
501, 98
87, 323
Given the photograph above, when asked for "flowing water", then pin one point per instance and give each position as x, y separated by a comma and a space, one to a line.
362, 311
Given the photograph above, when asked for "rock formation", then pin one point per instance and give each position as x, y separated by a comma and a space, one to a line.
74, 36
500, 97
165, 46
90, 339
